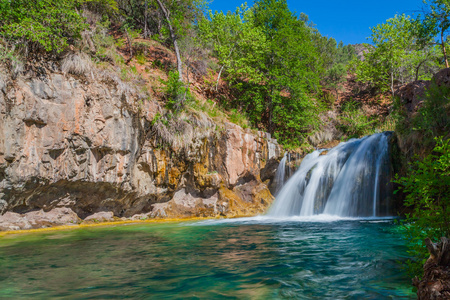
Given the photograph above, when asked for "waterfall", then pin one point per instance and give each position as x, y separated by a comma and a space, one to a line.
346, 181
279, 176
289, 164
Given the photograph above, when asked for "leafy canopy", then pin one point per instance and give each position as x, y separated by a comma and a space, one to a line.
48, 23
397, 55
268, 56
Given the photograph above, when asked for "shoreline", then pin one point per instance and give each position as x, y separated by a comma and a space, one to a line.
107, 223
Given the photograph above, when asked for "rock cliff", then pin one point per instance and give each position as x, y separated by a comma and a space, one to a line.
90, 143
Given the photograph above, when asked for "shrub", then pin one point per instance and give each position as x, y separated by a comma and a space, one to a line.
433, 117
8, 56
49, 24
175, 92
427, 188
141, 59
181, 131
328, 99
237, 118
353, 121
418, 130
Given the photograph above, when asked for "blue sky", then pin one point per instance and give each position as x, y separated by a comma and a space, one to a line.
347, 20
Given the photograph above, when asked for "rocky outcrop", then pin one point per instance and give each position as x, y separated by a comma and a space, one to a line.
361, 49
412, 94
88, 143
435, 283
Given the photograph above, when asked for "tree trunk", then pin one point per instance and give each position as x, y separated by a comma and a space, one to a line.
418, 68
392, 83
130, 46
174, 39
218, 77
443, 48
146, 20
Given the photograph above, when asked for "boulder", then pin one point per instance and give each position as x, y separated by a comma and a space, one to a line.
101, 216
13, 221
54, 217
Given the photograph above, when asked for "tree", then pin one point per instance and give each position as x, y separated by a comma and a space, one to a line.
345, 53
436, 23
174, 39
268, 57
290, 68
335, 77
41, 24
168, 21
236, 43
397, 54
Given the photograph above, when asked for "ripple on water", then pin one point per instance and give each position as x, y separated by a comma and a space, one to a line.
250, 258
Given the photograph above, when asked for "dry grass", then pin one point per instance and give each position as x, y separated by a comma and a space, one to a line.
323, 136
183, 131
17, 67
328, 131
77, 64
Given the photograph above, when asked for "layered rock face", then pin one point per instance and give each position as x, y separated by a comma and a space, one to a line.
88, 144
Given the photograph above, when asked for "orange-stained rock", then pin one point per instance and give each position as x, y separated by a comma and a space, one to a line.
174, 177
88, 145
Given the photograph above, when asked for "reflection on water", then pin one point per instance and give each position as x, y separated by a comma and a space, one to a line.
248, 259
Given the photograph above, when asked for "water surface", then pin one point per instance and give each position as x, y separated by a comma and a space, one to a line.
244, 259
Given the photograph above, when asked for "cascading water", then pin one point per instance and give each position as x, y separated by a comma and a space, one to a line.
279, 176
289, 164
350, 180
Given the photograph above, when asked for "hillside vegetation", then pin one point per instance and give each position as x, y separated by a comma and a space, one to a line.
262, 67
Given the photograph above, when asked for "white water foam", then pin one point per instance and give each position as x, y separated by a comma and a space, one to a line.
263, 219
347, 181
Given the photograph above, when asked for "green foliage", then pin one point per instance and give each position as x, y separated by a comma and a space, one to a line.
146, 16
157, 118
335, 77
326, 47
353, 122
208, 106
427, 189
433, 117
175, 92
435, 23
238, 118
344, 54
328, 99
157, 64
397, 55
51, 24
141, 59
268, 57
236, 42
